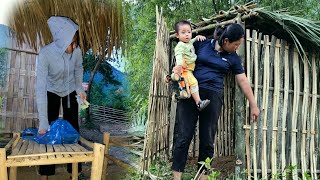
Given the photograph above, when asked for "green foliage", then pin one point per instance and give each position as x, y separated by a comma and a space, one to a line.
89, 62
212, 174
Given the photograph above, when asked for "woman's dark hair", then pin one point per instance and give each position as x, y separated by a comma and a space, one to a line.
180, 23
232, 32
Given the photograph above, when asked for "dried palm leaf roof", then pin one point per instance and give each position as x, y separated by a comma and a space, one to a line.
304, 33
100, 22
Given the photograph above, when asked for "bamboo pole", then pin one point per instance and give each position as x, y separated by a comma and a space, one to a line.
275, 109
239, 117
265, 91
305, 107
295, 110
284, 112
254, 124
313, 155
248, 69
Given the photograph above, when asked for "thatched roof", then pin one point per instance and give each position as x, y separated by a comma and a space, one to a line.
303, 33
100, 22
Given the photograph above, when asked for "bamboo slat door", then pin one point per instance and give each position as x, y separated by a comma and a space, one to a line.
286, 89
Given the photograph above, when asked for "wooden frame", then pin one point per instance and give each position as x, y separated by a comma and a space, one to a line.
29, 153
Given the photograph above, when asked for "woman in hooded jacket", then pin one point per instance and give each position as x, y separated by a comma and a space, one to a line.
59, 77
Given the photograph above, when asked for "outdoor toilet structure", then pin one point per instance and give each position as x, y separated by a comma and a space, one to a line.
281, 58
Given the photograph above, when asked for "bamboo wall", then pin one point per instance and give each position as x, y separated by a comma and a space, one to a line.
156, 142
19, 106
286, 89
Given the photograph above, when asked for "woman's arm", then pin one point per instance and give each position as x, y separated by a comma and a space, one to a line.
243, 82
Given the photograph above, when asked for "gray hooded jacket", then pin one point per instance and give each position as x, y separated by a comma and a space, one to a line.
57, 71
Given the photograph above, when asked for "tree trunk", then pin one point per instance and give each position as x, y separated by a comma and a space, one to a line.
93, 72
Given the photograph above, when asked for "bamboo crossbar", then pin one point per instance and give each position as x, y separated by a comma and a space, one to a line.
49, 154
21, 50
86, 142
28, 162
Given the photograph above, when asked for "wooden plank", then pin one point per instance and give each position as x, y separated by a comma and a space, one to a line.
36, 150
50, 150
56, 148
24, 147
17, 147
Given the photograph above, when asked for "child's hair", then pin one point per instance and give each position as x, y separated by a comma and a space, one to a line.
180, 23
233, 32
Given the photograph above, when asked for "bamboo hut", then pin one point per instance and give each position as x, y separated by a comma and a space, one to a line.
100, 26
281, 60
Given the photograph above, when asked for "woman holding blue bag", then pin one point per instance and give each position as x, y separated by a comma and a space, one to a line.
59, 74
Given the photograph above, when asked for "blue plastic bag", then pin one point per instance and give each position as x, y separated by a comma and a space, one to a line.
60, 132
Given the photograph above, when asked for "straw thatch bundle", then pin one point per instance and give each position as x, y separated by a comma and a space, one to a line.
100, 22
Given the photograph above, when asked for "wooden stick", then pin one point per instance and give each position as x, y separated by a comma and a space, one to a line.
97, 163
106, 138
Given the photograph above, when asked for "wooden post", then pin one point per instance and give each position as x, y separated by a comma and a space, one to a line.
74, 171
13, 173
97, 163
106, 139
3, 167
239, 117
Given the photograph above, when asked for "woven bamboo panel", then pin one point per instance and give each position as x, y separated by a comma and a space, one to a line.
19, 105
286, 88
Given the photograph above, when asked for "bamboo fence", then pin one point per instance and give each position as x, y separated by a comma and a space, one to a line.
286, 89
109, 115
156, 142
19, 109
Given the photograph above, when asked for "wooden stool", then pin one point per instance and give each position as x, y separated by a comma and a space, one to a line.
30, 153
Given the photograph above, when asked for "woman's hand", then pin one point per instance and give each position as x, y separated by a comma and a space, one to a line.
42, 131
83, 97
254, 112
200, 38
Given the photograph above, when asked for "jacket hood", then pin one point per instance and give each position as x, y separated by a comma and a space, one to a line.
62, 29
